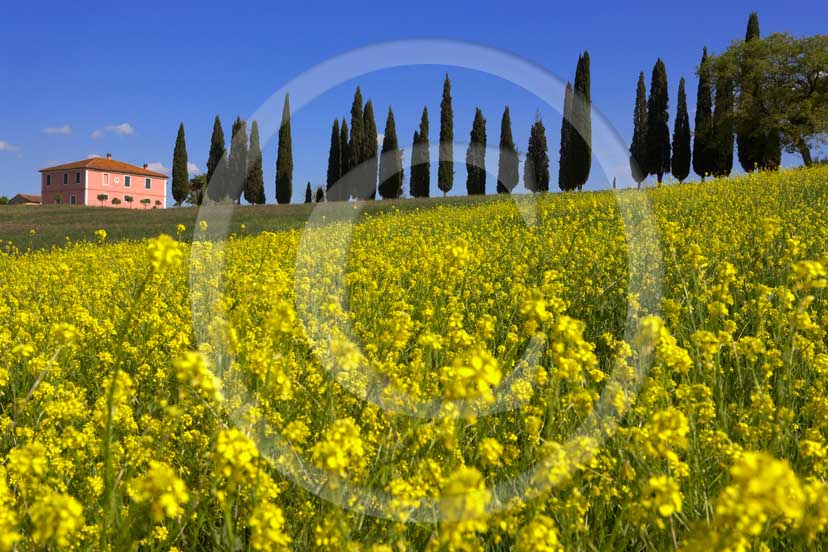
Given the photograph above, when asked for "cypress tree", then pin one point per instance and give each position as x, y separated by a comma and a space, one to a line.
638, 147
723, 125
565, 171
420, 160
703, 127
334, 158
254, 191
368, 187
390, 166
507, 165
658, 133
356, 146
757, 148
320, 194
308, 193
476, 156
284, 158
581, 141
340, 191
180, 175
237, 162
445, 167
536, 167
681, 137
218, 151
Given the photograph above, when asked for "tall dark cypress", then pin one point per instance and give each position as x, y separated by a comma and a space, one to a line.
368, 187
566, 180
215, 187
390, 166
681, 137
536, 167
180, 174
254, 191
757, 149
334, 158
507, 164
638, 147
308, 193
284, 158
320, 194
356, 147
341, 192
703, 148
420, 160
237, 161
445, 168
658, 133
582, 123
723, 124
476, 156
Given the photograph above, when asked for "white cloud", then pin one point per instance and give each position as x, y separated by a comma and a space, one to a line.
65, 129
5, 146
124, 129
93, 156
158, 167
192, 168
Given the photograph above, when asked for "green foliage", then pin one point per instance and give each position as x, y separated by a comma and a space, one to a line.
703, 149
681, 137
723, 123
180, 175
215, 189
445, 167
340, 191
638, 146
581, 139
334, 158
254, 191
536, 167
284, 158
198, 184
237, 161
4, 200
507, 165
476, 156
368, 182
390, 166
781, 88
356, 145
658, 133
420, 160
566, 179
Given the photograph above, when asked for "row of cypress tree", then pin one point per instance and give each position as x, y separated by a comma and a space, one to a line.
713, 139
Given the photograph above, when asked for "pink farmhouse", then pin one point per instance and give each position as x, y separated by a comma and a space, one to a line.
99, 180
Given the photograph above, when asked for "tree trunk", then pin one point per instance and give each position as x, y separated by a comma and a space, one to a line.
805, 152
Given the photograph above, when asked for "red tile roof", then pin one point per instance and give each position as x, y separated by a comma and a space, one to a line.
104, 164
26, 197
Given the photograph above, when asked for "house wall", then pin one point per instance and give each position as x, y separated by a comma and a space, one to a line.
113, 184
50, 192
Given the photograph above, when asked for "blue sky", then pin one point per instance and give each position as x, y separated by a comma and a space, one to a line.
85, 78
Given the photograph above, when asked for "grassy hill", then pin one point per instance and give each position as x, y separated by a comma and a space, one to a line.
52, 224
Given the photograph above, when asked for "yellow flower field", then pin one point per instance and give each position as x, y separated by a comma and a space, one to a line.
539, 374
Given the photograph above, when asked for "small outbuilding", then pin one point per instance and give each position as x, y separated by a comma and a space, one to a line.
25, 199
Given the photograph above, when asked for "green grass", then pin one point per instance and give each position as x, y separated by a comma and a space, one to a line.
53, 224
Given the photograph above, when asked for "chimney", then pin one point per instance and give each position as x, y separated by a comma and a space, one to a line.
145, 165
109, 156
